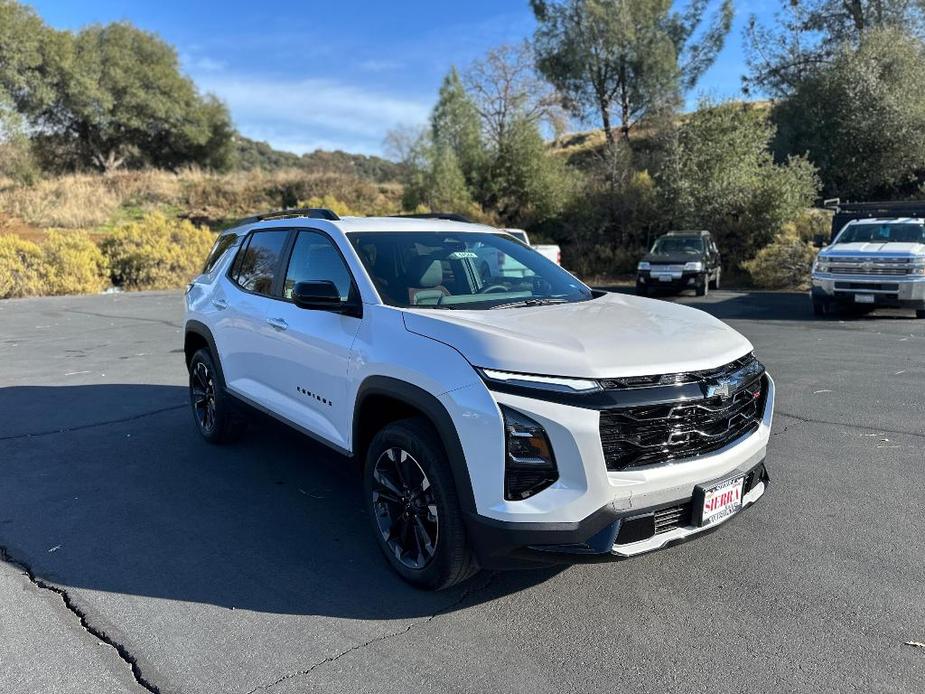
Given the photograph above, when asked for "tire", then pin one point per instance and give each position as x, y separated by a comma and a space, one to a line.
642, 290
413, 506
213, 410
821, 308
703, 289
920, 313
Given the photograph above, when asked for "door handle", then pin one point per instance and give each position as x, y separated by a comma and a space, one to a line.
278, 323
220, 304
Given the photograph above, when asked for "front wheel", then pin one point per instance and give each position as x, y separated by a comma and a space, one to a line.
920, 313
703, 288
412, 503
820, 308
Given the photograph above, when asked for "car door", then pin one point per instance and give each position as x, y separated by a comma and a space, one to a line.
241, 305
308, 352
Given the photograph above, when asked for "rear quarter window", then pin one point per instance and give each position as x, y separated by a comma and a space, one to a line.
222, 244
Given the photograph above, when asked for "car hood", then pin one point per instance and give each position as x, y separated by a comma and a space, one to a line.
672, 258
886, 249
611, 336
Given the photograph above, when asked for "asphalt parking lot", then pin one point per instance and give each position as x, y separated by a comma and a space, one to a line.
137, 557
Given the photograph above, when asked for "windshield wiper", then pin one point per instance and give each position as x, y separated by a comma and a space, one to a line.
538, 301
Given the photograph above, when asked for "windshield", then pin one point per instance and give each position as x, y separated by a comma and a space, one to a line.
471, 270
678, 245
906, 232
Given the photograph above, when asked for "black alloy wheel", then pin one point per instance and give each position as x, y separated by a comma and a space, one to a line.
405, 508
202, 396
213, 411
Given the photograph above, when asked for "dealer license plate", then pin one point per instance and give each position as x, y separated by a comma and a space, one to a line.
721, 500
863, 298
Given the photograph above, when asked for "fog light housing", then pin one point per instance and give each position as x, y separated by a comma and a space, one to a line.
529, 463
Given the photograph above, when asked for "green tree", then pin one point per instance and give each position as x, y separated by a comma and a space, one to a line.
862, 120
720, 175
455, 127
808, 35
107, 95
625, 59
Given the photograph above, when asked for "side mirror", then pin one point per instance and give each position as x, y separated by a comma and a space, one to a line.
819, 241
322, 295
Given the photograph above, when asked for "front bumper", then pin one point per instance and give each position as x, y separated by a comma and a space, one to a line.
890, 291
588, 505
606, 535
674, 280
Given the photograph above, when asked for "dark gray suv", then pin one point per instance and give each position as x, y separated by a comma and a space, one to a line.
680, 260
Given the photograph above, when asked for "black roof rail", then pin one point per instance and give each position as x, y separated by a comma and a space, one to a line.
448, 216
310, 212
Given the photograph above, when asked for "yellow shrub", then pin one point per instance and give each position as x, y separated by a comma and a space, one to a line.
73, 264
156, 252
339, 208
20, 268
783, 264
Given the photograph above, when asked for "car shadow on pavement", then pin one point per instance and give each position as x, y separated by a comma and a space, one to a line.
768, 306
110, 488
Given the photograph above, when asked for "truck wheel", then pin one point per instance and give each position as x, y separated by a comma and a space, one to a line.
703, 289
213, 410
642, 290
821, 308
920, 313
413, 507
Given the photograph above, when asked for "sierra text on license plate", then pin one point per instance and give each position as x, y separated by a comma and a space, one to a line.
722, 500
863, 298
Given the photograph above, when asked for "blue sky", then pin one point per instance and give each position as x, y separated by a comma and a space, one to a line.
338, 75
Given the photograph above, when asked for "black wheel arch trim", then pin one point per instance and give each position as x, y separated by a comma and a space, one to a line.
195, 327
438, 415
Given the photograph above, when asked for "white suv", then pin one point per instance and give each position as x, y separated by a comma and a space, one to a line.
500, 420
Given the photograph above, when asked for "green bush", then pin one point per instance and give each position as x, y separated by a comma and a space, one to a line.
20, 268
73, 264
156, 253
783, 264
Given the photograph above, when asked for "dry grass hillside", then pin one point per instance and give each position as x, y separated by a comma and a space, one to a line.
53, 232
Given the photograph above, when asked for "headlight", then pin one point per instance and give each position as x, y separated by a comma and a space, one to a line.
918, 268
562, 385
529, 465
694, 266
643, 265
821, 265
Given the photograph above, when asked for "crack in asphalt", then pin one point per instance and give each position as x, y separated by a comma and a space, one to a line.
92, 425
97, 633
360, 646
116, 316
809, 420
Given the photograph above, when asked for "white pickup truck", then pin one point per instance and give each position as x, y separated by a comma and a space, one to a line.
548, 250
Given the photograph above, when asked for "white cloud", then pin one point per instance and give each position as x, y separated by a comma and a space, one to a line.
299, 115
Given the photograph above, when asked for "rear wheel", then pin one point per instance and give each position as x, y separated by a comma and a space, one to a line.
213, 410
412, 504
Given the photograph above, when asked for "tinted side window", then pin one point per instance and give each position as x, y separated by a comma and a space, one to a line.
315, 257
257, 264
222, 244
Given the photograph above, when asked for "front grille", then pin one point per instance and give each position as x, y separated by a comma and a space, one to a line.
666, 268
649, 434
868, 266
668, 519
